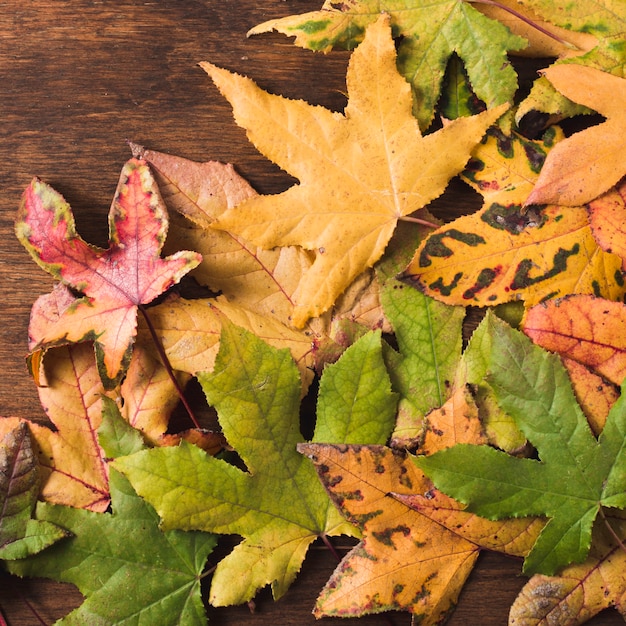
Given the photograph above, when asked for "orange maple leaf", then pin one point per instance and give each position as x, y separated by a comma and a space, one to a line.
418, 545
588, 163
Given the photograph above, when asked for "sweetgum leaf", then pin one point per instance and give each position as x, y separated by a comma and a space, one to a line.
418, 545
74, 472
504, 252
576, 473
277, 505
20, 535
584, 329
429, 349
579, 591
604, 20
590, 162
430, 33
114, 282
112, 552
359, 172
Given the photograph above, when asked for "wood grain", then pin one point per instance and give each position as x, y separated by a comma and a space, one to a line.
80, 78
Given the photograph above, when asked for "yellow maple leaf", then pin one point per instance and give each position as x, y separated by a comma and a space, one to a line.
503, 253
359, 172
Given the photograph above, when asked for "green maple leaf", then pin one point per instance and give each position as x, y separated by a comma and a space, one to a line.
277, 505
429, 340
576, 474
431, 31
112, 553
20, 534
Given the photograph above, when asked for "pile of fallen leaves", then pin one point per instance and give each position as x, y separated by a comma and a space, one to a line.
345, 290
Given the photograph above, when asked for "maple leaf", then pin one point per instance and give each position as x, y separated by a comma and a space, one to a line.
429, 340
20, 534
604, 20
584, 329
256, 285
73, 470
504, 253
606, 216
590, 162
579, 591
277, 505
418, 546
114, 282
545, 39
261, 280
359, 172
430, 32
110, 551
576, 474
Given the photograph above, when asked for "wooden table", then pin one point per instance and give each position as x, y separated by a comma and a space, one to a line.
77, 80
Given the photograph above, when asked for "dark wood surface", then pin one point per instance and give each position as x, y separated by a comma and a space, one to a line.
80, 78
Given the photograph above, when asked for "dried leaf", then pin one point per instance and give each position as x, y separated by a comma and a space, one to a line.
579, 591
607, 216
504, 253
262, 281
73, 469
418, 545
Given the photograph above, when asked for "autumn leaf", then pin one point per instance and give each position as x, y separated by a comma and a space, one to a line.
277, 505
428, 334
418, 546
584, 329
503, 253
590, 162
261, 280
109, 552
20, 534
579, 591
73, 469
576, 474
607, 218
114, 282
430, 33
256, 285
595, 394
604, 20
545, 38
359, 172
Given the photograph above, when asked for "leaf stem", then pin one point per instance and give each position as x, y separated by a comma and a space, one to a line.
167, 365
417, 220
615, 536
527, 20
328, 543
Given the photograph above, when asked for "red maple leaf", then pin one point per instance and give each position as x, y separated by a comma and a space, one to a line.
112, 283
